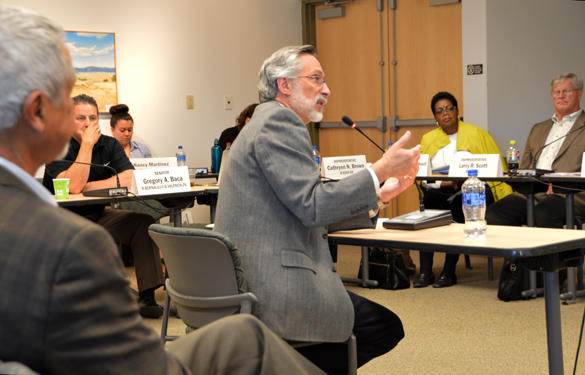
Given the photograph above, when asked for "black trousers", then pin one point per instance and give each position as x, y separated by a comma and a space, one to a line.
377, 331
446, 200
549, 211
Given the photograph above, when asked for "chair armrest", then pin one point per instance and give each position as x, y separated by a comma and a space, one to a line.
213, 302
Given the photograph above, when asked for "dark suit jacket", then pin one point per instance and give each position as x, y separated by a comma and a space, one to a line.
570, 154
65, 305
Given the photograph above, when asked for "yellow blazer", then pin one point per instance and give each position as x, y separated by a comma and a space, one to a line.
469, 138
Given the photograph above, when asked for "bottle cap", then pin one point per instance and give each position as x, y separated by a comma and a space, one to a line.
180, 147
472, 172
314, 147
513, 142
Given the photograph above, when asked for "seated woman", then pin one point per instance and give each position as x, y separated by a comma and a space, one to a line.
229, 135
452, 136
122, 126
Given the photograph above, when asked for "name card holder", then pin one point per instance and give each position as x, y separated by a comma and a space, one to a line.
161, 180
424, 166
487, 165
339, 167
583, 165
143, 163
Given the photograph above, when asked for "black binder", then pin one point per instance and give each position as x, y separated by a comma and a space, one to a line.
420, 220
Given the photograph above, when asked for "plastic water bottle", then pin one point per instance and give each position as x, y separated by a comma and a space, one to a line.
473, 190
215, 156
317, 157
181, 158
513, 157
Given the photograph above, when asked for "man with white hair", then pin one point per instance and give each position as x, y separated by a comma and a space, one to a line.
554, 144
275, 208
66, 305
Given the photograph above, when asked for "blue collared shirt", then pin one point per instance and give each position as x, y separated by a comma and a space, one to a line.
139, 150
38, 189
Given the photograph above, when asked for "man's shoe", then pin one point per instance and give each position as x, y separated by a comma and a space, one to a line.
424, 279
445, 280
148, 308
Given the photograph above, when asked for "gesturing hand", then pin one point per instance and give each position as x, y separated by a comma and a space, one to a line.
394, 186
398, 161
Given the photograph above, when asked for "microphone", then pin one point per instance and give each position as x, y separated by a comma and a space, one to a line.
118, 191
421, 205
539, 151
347, 121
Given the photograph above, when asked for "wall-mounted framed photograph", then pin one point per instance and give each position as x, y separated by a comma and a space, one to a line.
93, 55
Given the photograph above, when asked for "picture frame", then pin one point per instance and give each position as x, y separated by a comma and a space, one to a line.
93, 55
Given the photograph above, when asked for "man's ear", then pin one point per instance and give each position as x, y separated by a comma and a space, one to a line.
32, 111
284, 86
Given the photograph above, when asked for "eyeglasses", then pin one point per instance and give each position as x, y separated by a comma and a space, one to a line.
563, 91
447, 109
317, 79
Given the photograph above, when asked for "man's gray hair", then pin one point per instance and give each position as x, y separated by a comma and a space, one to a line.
31, 58
577, 82
284, 63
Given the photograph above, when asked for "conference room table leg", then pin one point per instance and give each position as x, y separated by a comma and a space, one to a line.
364, 281
553, 323
533, 291
176, 217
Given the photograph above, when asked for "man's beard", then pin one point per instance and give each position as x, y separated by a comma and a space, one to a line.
305, 106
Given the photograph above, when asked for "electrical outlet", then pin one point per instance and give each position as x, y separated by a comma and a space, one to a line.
190, 102
228, 102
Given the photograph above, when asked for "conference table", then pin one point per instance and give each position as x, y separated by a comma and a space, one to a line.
542, 249
563, 183
176, 201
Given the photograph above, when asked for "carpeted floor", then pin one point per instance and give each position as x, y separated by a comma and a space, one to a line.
463, 329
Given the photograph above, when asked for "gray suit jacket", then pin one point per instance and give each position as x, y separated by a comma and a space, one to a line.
274, 207
65, 305
569, 156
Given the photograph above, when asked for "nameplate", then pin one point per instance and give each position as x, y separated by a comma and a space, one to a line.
583, 165
339, 167
143, 163
424, 165
161, 180
487, 165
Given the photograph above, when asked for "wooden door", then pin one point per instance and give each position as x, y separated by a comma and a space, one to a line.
428, 60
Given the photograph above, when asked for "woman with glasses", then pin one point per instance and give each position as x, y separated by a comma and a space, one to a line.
452, 136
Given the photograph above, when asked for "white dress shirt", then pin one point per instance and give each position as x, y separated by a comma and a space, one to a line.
559, 130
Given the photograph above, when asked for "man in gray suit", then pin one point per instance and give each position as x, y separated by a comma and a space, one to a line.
66, 307
275, 208
555, 144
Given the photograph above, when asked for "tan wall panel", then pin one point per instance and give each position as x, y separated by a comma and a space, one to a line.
349, 53
428, 51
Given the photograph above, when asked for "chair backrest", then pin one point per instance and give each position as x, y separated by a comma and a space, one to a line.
200, 263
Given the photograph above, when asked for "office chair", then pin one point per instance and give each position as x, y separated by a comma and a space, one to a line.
206, 279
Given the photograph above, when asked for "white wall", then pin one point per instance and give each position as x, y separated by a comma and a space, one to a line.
168, 49
528, 42
473, 25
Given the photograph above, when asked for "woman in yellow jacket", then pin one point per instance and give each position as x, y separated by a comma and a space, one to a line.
450, 137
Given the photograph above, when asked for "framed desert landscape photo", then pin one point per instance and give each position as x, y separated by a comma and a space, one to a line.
93, 55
